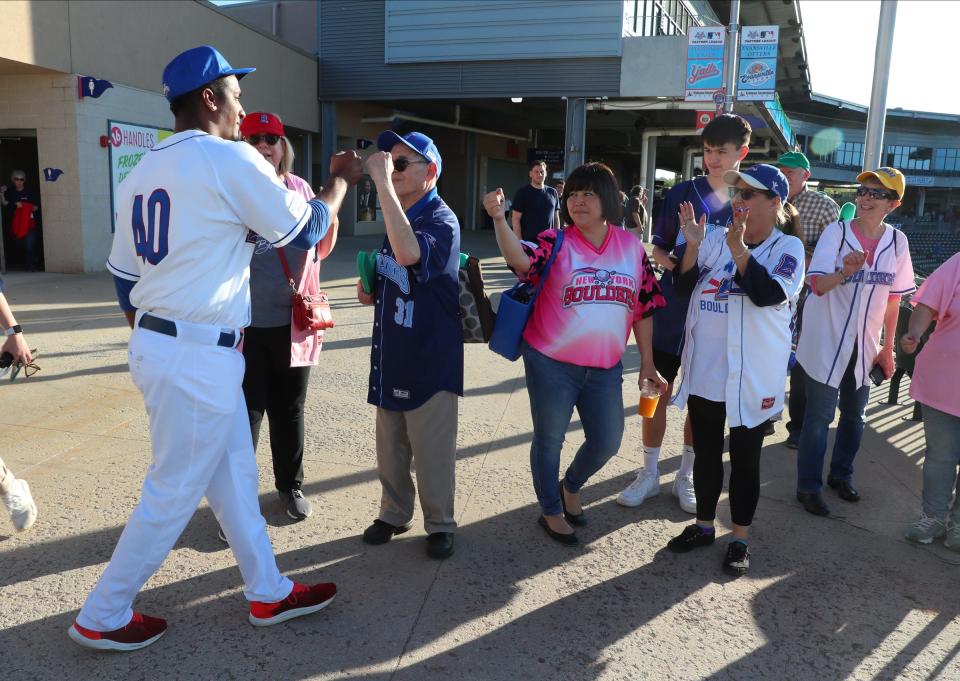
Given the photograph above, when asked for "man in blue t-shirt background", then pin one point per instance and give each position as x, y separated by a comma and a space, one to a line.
726, 142
535, 206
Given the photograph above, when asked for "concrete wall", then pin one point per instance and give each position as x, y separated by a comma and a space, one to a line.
131, 42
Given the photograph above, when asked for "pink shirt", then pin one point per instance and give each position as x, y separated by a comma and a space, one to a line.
591, 297
937, 372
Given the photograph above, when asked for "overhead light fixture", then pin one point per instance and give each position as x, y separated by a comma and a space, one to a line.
516, 100
661, 98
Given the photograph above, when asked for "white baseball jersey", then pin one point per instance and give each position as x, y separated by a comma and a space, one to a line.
852, 313
750, 359
187, 219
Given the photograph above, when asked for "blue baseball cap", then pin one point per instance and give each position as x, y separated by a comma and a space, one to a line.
761, 176
417, 141
195, 68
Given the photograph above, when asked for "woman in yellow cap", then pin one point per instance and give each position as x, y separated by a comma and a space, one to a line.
858, 272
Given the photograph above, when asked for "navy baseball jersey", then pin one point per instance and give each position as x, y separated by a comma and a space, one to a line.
417, 346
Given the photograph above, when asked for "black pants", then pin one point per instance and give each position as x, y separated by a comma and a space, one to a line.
270, 385
707, 421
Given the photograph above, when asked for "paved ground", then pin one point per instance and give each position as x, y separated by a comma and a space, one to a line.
844, 597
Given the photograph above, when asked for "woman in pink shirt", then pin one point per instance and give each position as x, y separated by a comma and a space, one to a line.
934, 385
599, 288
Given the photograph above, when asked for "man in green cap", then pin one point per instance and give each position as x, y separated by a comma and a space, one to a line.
817, 210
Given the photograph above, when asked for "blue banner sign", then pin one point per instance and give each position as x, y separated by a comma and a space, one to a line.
757, 77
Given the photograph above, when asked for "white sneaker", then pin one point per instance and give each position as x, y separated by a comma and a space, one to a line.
926, 529
20, 506
683, 491
644, 486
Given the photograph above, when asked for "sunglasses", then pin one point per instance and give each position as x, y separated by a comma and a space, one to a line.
19, 179
28, 369
877, 193
402, 163
747, 194
269, 139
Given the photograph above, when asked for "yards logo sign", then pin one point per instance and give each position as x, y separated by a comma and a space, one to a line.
591, 285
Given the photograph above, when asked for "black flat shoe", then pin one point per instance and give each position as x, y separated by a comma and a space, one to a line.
844, 489
381, 532
578, 520
440, 545
565, 539
813, 503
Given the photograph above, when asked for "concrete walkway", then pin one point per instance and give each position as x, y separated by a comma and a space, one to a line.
842, 597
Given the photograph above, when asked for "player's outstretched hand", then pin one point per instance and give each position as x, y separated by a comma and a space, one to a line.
347, 165
495, 203
693, 231
364, 297
852, 262
909, 343
380, 167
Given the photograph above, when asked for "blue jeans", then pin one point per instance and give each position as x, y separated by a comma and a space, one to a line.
821, 406
555, 388
940, 463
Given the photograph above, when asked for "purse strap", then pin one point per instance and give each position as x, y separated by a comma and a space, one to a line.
286, 269
547, 266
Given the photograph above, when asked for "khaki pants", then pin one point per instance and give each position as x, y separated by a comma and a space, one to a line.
426, 436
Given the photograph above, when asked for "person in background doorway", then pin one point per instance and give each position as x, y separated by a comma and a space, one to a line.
535, 205
21, 213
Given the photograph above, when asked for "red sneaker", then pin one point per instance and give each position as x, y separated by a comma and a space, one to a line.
303, 600
141, 631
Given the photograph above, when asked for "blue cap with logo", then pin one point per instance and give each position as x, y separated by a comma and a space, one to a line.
195, 68
761, 176
417, 141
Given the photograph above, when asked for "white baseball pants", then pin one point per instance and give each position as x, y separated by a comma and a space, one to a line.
201, 447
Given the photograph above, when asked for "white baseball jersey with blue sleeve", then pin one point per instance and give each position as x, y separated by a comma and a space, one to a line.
186, 223
748, 363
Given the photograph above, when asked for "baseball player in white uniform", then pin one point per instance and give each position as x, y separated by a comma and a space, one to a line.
187, 219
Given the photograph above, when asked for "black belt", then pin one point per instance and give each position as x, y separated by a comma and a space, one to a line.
228, 339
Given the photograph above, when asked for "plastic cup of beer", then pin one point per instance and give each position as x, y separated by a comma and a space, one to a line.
649, 397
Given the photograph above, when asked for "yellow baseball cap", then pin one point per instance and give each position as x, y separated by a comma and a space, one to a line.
891, 178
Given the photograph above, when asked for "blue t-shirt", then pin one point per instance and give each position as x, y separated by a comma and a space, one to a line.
668, 323
537, 208
417, 345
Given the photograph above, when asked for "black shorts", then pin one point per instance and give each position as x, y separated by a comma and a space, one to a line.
667, 364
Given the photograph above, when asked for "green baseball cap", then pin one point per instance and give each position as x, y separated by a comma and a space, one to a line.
367, 269
793, 159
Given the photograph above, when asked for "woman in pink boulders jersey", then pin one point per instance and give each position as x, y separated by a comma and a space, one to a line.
599, 288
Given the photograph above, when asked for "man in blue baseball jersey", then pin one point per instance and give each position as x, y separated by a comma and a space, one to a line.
416, 357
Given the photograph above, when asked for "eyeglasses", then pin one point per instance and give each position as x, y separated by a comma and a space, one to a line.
402, 163
747, 194
19, 179
28, 369
269, 139
877, 193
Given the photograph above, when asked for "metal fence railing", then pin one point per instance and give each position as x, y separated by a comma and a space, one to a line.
658, 17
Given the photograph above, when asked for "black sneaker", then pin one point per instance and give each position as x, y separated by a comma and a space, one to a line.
692, 537
440, 545
737, 560
298, 507
380, 532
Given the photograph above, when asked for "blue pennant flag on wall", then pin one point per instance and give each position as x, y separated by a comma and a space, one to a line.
51, 174
88, 86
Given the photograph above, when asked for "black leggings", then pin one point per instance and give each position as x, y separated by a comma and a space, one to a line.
271, 385
707, 421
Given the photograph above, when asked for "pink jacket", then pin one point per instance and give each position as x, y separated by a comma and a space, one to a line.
305, 345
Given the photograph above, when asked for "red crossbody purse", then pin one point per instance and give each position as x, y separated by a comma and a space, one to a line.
310, 313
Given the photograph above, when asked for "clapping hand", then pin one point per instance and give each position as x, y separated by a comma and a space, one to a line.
495, 204
693, 231
852, 262
737, 228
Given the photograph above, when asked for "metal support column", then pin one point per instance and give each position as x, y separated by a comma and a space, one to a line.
733, 45
877, 114
650, 175
472, 190
328, 137
575, 136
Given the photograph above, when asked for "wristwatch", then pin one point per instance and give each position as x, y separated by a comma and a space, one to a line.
16, 328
